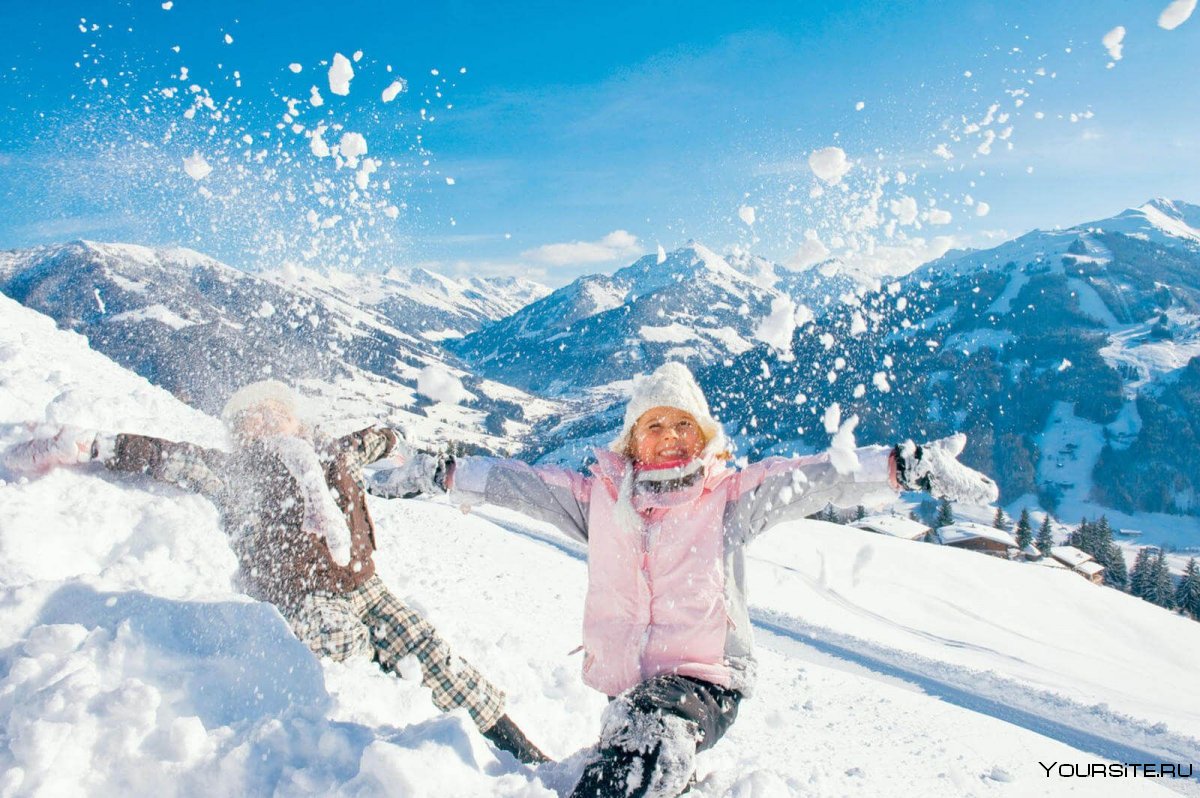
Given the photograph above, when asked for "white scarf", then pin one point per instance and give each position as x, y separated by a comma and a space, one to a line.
322, 517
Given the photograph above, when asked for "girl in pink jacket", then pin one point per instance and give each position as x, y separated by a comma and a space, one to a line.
666, 630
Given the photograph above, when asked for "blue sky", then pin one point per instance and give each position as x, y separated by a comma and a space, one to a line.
583, 135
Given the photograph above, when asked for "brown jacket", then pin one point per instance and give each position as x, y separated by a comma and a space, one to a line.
260, 506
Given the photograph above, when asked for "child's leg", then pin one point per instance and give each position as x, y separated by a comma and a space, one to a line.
330, 627
651, 734
398, 630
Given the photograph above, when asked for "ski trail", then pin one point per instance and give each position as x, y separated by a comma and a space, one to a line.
1094, 730
1090, 729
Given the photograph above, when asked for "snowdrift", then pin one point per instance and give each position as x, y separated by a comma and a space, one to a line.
130, 665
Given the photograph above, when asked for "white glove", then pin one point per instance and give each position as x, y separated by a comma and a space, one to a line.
423, 473
68, 446
934, 468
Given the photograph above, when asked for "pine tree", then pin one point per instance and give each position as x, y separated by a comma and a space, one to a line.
1080, 535
860, 513
945, 514
1187, 593
1024, 530
1140, 575
1045, 537
1163, 588
999, 521
1116, 574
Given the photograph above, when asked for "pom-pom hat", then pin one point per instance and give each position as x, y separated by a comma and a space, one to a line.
671, 385
255, 394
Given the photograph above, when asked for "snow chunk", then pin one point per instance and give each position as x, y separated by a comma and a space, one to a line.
904, 209
1176, 14
352, 145
938, 216
340, 75
858, 106
832, 418
662, 255
315, 99
228, 39
777, 329
167, 6
810, 252
942, 151
841, 448
440, 385
746, 214
982, 209
196, 166
1113, 42
829, 164
391, 91
295, 68
880, 381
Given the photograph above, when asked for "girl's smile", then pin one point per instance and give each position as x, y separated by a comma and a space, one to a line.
664, 435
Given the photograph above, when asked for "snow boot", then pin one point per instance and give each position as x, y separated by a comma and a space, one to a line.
506, 736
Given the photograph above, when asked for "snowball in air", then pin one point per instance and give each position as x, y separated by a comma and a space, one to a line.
340, 75
440, 385
829, 164
1176, 14
1112, 42
391, 91
746, 214
196, 166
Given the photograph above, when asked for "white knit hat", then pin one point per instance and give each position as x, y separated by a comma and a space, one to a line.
256, 393
671, 385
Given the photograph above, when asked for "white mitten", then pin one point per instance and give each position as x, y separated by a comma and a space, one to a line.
68, 446
423, 473
934, 468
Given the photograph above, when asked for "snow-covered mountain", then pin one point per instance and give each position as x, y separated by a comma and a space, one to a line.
130, 664
693, 305
417, 300
201, 329
1070, 357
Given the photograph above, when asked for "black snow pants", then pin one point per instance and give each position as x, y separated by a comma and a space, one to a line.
626, 766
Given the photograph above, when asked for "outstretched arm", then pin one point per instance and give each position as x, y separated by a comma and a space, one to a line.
782, 489
368, 445
549, 493
184, 465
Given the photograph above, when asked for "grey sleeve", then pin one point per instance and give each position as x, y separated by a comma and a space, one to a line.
784, 489
556, 495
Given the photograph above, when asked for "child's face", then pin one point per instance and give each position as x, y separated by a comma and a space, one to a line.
266, 419
664, 434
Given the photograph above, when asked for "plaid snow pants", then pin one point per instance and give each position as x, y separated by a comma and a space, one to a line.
371, 621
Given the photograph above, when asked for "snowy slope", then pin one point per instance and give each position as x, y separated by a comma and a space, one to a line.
201, 329
129, 665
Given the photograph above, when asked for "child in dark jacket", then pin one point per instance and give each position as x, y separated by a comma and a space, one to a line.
666, 630
298, 521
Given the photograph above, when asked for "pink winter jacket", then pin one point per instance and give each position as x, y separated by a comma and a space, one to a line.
667, 595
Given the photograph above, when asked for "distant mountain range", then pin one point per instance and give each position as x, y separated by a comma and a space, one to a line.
1070, 357
201, 329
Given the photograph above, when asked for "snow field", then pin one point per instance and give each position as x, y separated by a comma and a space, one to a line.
130, 664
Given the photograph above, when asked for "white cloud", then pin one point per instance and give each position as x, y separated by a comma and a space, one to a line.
614, 246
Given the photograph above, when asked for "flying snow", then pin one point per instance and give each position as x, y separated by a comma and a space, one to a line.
340, 75
1113, 42
196, 166
395, 88
746, 214
1176, 14
295, 68
777, 329
829, 164
438, 384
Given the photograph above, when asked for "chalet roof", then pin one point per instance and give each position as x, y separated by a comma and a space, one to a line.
963, 531
894, 525
1070, 556
1089, 568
